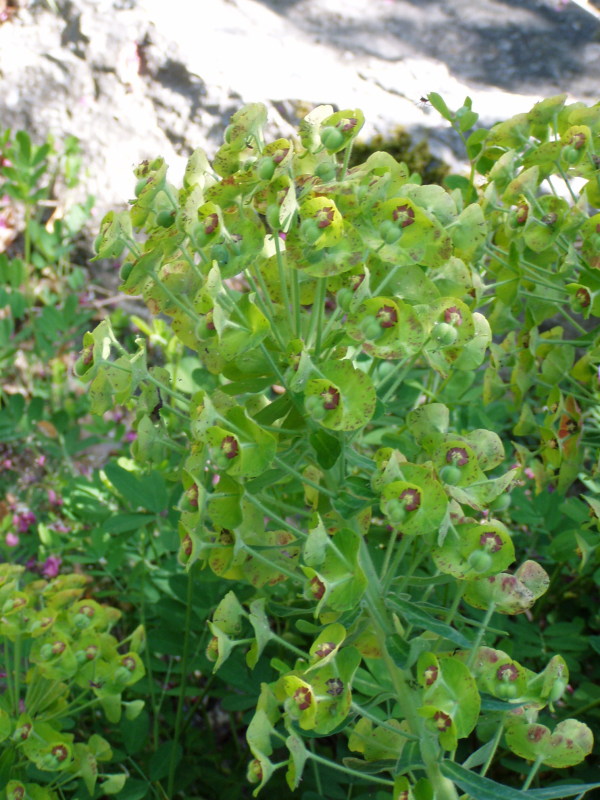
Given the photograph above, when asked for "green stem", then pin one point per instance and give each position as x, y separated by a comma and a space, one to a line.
175, 300
268, 312
167, 389
381, 723
196, 703
303, 479
316, 768
399, 379
9, 683
460, 589
281, 271
347, 155
316, 316
480, 634
388, 572
495, 744
295, 290
573, 322
279, 567
565, 178
532, 772
349, 771
27, 239
17, 673
182, 686
147, 657
582, 709
268, 512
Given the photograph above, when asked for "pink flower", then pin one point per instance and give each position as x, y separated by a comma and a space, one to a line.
40, 460
529, 473
54, 499
130, 436
59, 527
51, 566
24, 520
12, 539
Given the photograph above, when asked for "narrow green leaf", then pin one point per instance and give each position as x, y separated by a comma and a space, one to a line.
479, 788
425, 621
560, 790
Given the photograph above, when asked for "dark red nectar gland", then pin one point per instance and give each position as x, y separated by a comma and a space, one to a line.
387, 316
230, 447
411, 498
331, 398
404, 216
457, 456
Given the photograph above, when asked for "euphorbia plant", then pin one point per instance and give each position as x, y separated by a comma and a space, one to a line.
333, 313
59, 659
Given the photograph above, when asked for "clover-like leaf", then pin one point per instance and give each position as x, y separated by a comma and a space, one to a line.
342, 398
474, 550
388, 328
378, 742
416, 504
510, 594
568, 745
449, 687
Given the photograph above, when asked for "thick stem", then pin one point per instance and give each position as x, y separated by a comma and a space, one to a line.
182, 687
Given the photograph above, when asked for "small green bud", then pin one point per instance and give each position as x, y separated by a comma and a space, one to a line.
507, 691
204, 328
450, 475
371, 329
310, 231
219, 253
344, 297
558, 689
480, 561
165, 218
266, 168
501, 503
80, 367
315, 408
396, 512
444, 334
46, 652
81, 621
389, 231
326, 171
273, 212
125, 270
98, 243
49, 763
220, 460
121, 675
228, 133
331, 138
200, 236
570, 154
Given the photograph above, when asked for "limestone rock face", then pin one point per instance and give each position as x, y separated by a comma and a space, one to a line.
133, 79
